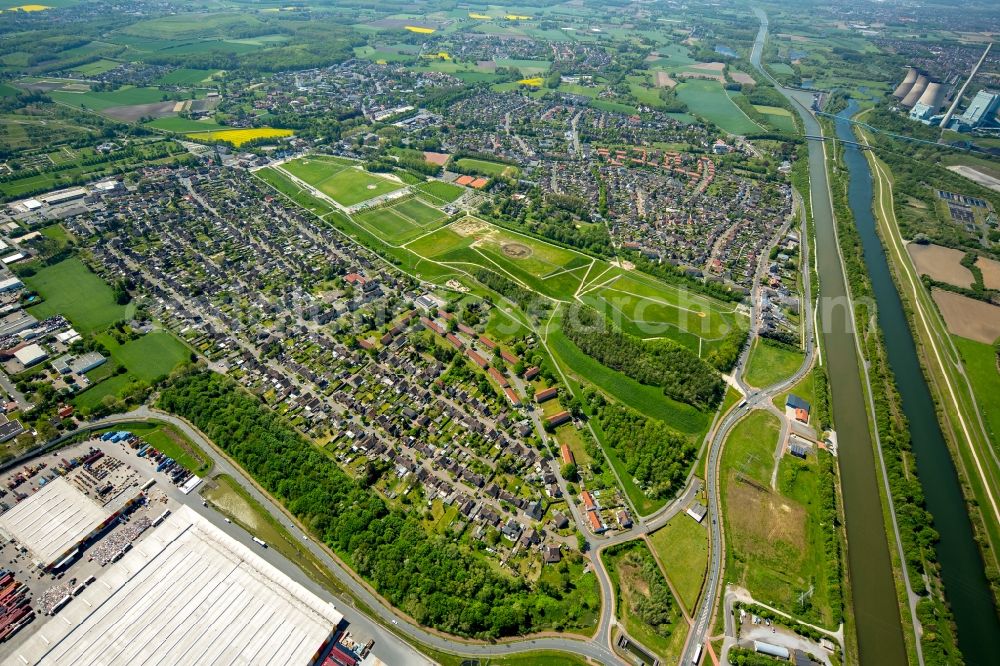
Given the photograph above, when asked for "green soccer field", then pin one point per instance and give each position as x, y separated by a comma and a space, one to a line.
346, 185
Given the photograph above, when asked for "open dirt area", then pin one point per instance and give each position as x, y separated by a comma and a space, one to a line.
469, 226
710, 66
976, 320
516, 250
944, 264
134, 112
702, 74
764, 523
664, 80
983, 179
436, 158
991, 272
741, 77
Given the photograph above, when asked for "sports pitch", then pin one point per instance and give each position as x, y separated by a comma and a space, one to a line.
347, 185
401, 222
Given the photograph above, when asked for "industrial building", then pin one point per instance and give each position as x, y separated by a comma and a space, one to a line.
187, 593
981, 112
54, 521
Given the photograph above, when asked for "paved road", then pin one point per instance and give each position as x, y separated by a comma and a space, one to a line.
755, 399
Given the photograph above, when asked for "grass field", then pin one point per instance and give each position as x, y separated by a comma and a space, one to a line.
185, 77
777, 116
682, 546
709, 100
238, 137
153, 355
348, 186
774, 539
770, 363
402, 222
71, 289
126, 96
981, 368
638, 582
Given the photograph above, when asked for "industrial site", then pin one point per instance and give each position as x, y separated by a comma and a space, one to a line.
106, 552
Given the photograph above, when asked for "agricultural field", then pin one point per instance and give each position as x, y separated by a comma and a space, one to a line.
709, 100
980, 364
777, 116
184, 125
347, 185
73, 290
238, 137
186, 77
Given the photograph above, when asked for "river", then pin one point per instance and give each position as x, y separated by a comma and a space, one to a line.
873, 591
962, 569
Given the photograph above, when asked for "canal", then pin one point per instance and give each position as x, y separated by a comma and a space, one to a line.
873, 592
962, 567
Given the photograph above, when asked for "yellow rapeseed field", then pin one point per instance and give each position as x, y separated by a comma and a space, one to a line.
238, 137
517, 17
480, 17
30, 8
417, 29
535, 82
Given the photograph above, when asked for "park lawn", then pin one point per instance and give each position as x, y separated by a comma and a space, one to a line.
708, 99
70, 288
486, 168
770, 363
682, 546
647, 400
502, 327
443, 192
636, 578
980, 364
153, 355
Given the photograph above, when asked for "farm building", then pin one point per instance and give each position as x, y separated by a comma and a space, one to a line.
567, 456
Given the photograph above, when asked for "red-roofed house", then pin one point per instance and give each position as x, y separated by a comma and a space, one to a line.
567, 455
595, 522
510, 358
454, 340
489, 344
546, 394
558, 419
498, 376
588, 500
532, 372
514, 400
476, 358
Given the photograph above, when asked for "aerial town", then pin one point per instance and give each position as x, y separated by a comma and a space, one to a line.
360, 333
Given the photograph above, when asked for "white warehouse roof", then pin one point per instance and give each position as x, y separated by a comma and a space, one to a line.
31, 354
53, 520
186, 593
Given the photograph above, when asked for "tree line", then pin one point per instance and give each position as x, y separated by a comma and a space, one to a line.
654, 454
675, 368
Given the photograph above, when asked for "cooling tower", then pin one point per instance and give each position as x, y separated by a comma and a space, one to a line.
933, 96
904, 87
915, 92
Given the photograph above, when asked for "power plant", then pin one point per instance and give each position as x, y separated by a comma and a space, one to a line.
924, 98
